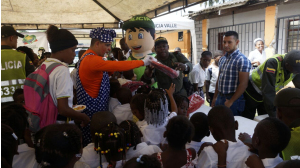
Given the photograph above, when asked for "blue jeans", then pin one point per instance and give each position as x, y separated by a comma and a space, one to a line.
237, 107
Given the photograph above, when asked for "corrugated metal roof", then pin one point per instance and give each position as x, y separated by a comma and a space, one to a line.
225, 5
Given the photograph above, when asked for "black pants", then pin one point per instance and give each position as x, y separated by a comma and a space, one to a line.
251, 106
211, 95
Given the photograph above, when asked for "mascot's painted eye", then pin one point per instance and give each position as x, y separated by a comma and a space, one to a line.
130, 37
141, 36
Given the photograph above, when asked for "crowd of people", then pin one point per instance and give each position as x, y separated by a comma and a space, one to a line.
147, 126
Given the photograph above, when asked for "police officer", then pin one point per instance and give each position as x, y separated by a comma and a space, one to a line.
41, 52
269, 78
15, 66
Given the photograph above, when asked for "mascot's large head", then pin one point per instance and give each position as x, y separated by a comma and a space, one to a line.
140, 34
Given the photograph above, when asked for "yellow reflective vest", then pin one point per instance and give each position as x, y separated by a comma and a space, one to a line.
13, 73
257, 74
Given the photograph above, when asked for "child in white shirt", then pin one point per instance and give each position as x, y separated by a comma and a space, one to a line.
134, 145
199, 120
123, 111
110, 142
182, 103
9, 145
59, 146
270, 137
156, 115
179, 131
15, 116
89, 155
222, 126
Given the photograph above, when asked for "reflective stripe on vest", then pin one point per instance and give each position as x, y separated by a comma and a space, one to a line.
9, 87
12, 82
13, 73
257, 74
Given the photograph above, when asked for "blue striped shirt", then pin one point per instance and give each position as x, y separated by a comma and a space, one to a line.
230, 66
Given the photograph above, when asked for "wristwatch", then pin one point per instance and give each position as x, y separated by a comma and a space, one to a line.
186, 67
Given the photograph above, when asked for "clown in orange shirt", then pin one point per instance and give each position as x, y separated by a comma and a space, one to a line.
92, 76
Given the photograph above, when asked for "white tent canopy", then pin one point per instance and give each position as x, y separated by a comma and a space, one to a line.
38, 14
88, 14
173, 23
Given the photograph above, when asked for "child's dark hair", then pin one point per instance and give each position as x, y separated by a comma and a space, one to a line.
289, 164
232, 33
132, 133
15, 116
80, 53
37, 143
145, 89
179, 99
151, 30
59, 144
143, 161
179, 131
115, 51
124, 95
100, 120
128, 74
9, 143
199, 120
156, 107
221, 117
274, 134
206, 53
28, 51
114, 86
18, 92
138, 102
44, 55
110, 141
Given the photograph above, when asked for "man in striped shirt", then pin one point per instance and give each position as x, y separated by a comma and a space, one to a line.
233, 75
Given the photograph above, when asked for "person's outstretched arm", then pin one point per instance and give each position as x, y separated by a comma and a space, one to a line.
170, 93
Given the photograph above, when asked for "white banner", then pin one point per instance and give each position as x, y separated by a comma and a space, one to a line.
34, 41
173, 23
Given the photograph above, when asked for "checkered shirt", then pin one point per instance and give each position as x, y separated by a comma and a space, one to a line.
230, 66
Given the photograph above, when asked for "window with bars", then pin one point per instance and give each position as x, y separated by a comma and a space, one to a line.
288, 34
247, 32
293, 41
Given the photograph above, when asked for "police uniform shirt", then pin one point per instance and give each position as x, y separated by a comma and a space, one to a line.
29, 68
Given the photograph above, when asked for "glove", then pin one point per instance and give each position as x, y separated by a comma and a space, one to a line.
148, 59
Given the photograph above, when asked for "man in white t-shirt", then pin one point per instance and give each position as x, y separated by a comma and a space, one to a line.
212, 75
197, 76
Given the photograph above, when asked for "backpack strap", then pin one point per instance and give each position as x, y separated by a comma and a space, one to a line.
52, 67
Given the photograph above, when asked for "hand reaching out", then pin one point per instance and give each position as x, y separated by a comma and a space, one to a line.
171, 90
180, 66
